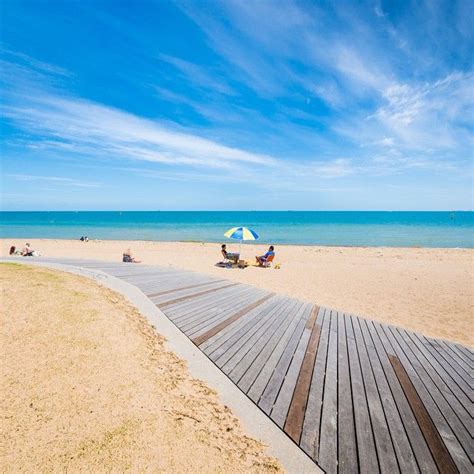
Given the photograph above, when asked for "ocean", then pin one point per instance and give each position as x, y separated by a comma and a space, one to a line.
335, 228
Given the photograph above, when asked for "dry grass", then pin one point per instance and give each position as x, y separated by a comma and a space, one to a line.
87, 385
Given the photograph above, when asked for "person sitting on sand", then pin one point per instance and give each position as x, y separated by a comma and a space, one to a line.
262, 260
128, 257
14, 251
229, 256
27, 251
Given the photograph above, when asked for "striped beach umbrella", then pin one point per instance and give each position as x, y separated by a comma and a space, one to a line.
241, 233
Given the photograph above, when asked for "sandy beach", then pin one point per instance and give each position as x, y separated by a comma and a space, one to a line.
88, 386
425, 290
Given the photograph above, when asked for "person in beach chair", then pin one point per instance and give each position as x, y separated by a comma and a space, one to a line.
265, 260
27, 251
127, 257
228, 256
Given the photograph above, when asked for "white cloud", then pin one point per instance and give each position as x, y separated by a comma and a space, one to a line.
428, 115
105, 130
54, 180
198, 75
37, 65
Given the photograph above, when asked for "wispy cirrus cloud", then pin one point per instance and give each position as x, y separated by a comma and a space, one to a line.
36, 65
105, 130
62, 181
198, 76
362, 63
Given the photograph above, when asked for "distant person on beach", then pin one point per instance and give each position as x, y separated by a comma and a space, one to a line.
84, 239
127, 257
27, 251
228, 255
14, 251
262, 260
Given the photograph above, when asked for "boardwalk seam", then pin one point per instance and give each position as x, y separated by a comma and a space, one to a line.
173, 290
440, 453
164, 304
303, 382
428, 390
396, 403
212, 332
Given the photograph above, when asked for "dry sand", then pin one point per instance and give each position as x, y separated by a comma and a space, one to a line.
426, 290
88, 386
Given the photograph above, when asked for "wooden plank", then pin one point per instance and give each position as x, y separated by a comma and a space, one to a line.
312, 422
424, 459
283, 400
188, 306
150, 278
244, 301
180, 296
294, 422
227, 336
391, 440
281, 320
131, 271
226, 351
272, 346
464, 440
185, 310
293, 333
328, 438
467, 393
456, 363
363, 391
160, 293
462, 356
465, 350
414, 371
440, 453
242, 358
347, 448
194, 295
222, 314
131, 276
222, 310
164, 283
161, 284
452, 393
277, 377
204, 337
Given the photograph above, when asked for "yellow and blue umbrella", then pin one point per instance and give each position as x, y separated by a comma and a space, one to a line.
241, 233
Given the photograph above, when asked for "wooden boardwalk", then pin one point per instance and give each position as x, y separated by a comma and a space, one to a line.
355, 395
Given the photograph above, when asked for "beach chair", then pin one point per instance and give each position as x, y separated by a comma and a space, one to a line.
268, 261
231, 258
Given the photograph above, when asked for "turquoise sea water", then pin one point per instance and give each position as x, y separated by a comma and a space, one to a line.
394, 229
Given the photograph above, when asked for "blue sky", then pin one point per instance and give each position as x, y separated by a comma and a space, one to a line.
236, 105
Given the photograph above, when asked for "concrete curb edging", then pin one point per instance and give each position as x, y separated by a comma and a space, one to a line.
253, 420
